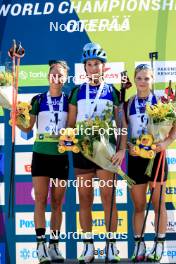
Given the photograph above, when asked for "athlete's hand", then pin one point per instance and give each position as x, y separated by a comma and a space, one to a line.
131, 149
118, 157
160, 146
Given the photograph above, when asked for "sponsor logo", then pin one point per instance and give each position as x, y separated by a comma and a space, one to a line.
25, 223
164, 70
1, 164
2, 253
26, 252
23, 138
170, 191
1, 111
2, 193
171, 160
22, 163
121, 193
169, 255
98, 222
171, 222
111, 75
1, 134
100, 251
25, 193
33, 75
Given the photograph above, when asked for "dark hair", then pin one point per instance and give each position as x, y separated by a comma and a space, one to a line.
52, 63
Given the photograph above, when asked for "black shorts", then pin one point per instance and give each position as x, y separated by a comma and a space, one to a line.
137, 167
53, 166
83, 165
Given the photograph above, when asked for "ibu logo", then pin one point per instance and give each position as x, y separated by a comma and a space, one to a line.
27, 136
26, 254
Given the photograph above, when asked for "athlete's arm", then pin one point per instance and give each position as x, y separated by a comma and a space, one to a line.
72, 113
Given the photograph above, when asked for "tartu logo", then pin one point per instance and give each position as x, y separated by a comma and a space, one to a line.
28, 254
23, 75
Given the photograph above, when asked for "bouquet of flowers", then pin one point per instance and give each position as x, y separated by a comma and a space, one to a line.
94, 142
161, 119
162, 116
6, 89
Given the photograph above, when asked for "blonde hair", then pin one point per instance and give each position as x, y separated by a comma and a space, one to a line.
143, 67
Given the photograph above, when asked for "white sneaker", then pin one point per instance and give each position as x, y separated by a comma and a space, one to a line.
113, 253
157, 252
42, 253
54, 253
87, 255
140, 255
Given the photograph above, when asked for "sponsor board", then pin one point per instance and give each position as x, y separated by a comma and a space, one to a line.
169, 255
98, 222
171, 159
100, 251
25, 193
164, 70
121, 193
23, 163
33, 75
1, 134
23, 138
26, 252
111, 74
2, 193
25, 223
170, 191
171, 222
1, 111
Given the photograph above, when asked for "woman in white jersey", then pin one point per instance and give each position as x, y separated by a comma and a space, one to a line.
87, 101
49, 112
137, 121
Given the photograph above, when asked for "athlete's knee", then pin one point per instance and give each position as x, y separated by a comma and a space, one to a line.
40, 198
139, 207
85, 200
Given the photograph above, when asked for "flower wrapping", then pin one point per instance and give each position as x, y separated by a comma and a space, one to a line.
6, 97
102, 154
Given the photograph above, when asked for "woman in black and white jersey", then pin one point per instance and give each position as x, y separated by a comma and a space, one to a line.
137, 121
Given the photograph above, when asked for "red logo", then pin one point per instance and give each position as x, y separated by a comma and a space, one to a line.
27, 168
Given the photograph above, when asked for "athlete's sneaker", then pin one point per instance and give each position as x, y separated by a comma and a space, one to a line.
87, 255
55, 254
139, 250
42, 253
112, 253
157, 251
